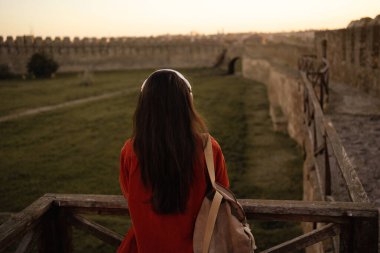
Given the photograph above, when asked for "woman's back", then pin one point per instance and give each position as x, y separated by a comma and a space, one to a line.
152, 232
172, 231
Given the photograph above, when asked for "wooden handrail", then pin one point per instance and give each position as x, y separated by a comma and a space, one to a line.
325, 128
344, 213
305, 240
20, 223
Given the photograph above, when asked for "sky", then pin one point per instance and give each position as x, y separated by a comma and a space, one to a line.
106, 18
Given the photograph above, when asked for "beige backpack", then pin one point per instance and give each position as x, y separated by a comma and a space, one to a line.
221, 225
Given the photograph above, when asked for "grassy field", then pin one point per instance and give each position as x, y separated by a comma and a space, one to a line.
76, 150
18, 95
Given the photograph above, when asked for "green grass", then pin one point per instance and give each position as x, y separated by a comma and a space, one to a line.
18, 95
76, 150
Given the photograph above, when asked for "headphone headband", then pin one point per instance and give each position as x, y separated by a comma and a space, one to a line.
170, 70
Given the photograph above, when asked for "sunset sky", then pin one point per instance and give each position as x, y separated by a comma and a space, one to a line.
152, 17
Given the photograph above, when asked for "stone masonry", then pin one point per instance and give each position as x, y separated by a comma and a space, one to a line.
114, 53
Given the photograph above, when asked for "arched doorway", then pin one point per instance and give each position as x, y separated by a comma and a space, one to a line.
235, 66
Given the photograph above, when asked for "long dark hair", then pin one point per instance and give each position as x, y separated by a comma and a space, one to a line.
166, 134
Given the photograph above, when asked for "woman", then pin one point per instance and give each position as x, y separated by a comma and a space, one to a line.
162, 167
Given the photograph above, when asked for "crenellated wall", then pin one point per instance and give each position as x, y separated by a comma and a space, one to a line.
113, 53
353, 53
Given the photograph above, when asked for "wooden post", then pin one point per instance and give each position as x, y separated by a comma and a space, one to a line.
327, 168
346, 238
365, 236
55, 233
321, 87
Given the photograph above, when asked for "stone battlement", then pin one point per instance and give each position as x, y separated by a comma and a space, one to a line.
353, 53
113, 53
31, 41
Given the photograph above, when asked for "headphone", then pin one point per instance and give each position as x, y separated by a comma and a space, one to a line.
173, 71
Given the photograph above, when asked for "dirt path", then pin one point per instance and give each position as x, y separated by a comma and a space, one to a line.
356, 116
49, 108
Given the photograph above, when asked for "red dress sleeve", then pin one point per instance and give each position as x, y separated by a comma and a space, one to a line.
221, 176
125, 158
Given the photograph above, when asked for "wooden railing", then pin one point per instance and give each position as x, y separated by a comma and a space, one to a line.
329, 153
336, 176
317, 72
48, 222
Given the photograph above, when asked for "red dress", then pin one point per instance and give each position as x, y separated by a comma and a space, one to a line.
154, 233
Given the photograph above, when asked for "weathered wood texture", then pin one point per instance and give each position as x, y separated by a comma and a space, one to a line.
89, 203
96, 229
20, 223
319, 211
324, 127
56, 234
54, 214
355, 187
305, 240
28, 241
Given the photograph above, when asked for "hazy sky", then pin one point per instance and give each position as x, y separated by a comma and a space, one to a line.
152, 17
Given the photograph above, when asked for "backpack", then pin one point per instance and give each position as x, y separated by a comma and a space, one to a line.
221, 225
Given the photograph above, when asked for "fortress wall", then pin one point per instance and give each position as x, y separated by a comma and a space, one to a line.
284, 92
274, 63
353, 53
112, 53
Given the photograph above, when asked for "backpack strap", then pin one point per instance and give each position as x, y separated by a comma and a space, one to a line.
216, 201
210, 161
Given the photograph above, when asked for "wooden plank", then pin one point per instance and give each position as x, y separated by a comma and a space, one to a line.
90, 203
20, 223
27, 242
307, 210
305, 240
96, 229
318, 113
327, 191
365, 236
56, 232
354, 186
318, 172
317, 167
317, 211
346, 238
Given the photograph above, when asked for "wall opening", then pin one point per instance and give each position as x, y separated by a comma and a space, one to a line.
235, 66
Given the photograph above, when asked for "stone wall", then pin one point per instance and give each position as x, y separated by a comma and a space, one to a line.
113, 53
273, 62
353, 53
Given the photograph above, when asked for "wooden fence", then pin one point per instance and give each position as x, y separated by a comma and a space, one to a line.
47, 222
331, 163
329, 153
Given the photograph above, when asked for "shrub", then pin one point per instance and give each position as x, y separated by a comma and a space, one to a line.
5, 72
41, 65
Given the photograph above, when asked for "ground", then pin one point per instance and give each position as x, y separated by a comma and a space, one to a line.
356, 117
75, 149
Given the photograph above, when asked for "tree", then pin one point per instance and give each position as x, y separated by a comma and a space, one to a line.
41, 65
